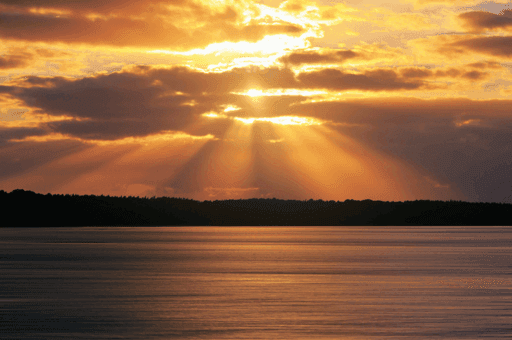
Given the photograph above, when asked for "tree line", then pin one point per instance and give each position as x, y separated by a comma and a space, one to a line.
22, 208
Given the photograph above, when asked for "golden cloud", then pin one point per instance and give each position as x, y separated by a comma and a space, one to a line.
479, 21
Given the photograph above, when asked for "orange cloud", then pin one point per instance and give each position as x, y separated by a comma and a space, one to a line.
364, 54
141, 101
315, 57
144, 100
451, 72
500, 46
14, 61
97, 6
479, 21
151, 24
371, 80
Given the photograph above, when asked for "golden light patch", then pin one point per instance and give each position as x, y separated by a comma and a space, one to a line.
281, 92
49, 11
230, 108
282, 120
268, 45
468, 122
285, 120
213, 115
165, 136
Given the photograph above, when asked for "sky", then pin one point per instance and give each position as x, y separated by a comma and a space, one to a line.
387, 100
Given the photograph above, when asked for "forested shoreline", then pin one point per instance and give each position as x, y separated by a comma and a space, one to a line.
29, 209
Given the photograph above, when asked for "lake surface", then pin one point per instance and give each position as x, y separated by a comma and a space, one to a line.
256, 283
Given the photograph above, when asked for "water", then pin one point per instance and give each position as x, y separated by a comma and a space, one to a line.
256, 283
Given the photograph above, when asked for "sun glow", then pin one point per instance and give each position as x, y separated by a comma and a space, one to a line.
281, 92
269, 45
213, 115
284, 120
281, 120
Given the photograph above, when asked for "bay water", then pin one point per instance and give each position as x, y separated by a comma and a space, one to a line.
256, 283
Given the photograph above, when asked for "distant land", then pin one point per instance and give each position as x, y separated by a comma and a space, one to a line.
29, 209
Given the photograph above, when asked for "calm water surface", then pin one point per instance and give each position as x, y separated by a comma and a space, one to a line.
256, 283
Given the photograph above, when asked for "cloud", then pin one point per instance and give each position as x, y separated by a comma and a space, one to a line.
500, 46
424, 3
97, 6
145, 100
21, 57
451, 72
447, 49
416, 72
116, 31
360, 54
141, 101
486, 65
315, 57
371, 80
105, 107
14, 61
7, 134
156, 24
479, 21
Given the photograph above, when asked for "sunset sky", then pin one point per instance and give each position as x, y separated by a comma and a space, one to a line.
380, 99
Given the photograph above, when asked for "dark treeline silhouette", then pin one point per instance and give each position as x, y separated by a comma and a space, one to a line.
28, 209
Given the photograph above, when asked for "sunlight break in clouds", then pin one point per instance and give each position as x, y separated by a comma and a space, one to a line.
281, 120
292, 99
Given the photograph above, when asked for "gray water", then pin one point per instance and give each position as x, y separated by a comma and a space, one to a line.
256, 283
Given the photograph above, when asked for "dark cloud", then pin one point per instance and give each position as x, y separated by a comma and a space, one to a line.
475, 75
480, 21
17, 58
115, 31
7, 134
454, 73
498, 46
146, 100
451, 72
13, 61
95, 6
197, 83
411, 111
159, 28
314, 57
374, 80
415, 72
421, 73
486, 64
113, 106
22, 57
